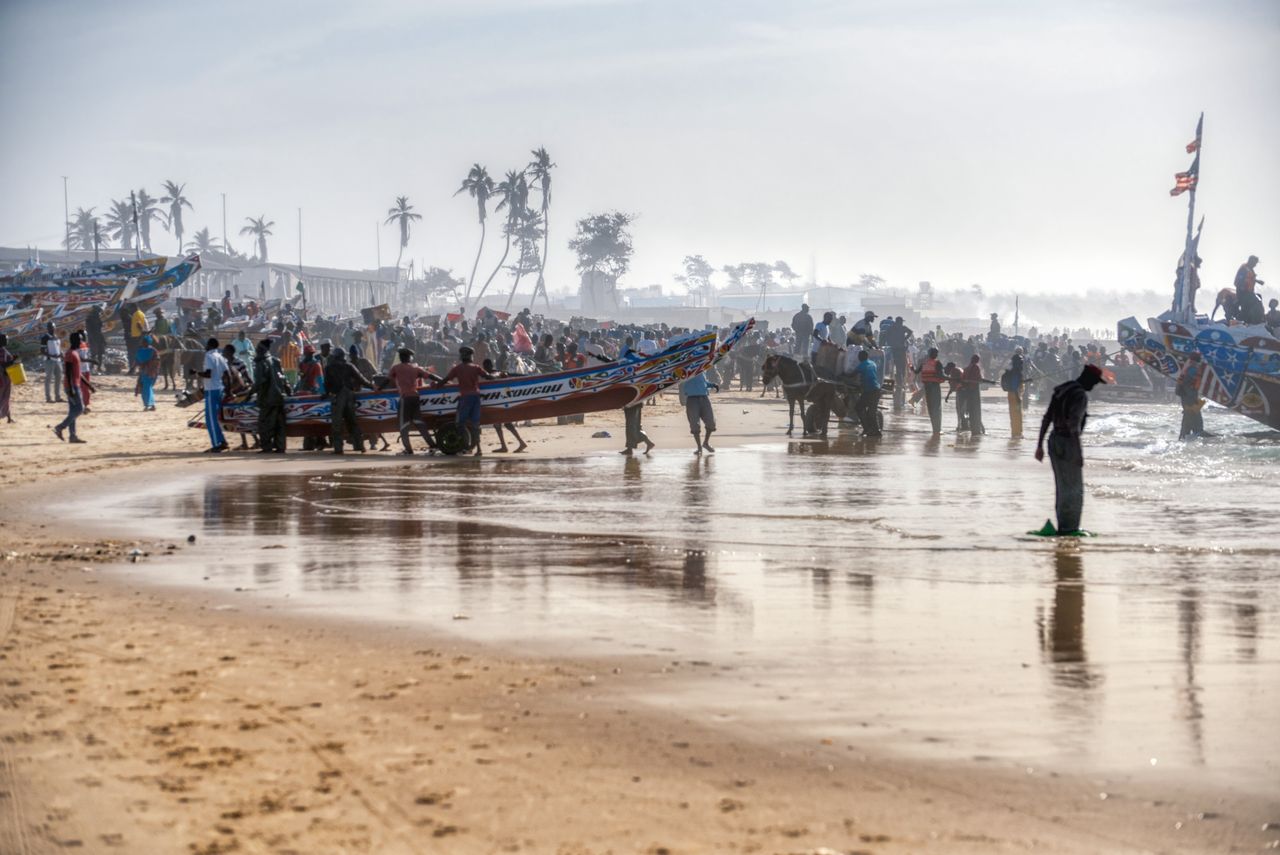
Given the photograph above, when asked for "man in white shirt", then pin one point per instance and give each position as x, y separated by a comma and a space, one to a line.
52, 366
647, 346
821, 333
215, 366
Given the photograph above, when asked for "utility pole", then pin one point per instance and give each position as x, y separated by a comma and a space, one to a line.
66, 212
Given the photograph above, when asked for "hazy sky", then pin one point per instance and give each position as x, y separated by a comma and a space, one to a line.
1022, 145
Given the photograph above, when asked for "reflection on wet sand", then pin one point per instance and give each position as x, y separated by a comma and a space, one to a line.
878, 588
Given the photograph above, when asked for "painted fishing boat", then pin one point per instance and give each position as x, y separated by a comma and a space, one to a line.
608, 386
1241, 361
44, 286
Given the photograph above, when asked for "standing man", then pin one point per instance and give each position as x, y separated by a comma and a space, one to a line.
1014, 380
1246, 297
270, 389
869, 399
215, 369
697, 407
52, 366
406, 374
97, 340
821, 333
468, 375
1188, 392
972, 392
802, 326
896, 338
161, 325
1067, 414
245, 351
341, 382
931, 377
71, 385
864, 331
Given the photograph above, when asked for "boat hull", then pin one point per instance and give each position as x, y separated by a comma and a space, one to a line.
609, 386
1242, 363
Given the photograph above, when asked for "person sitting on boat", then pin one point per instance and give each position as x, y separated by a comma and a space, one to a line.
1246, 282
468, 376
1272, 319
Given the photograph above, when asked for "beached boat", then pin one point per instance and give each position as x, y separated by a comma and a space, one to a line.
608, 386
1241, 361
65, 297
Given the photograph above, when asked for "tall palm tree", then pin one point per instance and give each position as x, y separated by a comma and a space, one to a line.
540, 171
148, 212
402, 214
175, 200
260, 230
203, 243
514, 193
528, 234
120, 222
81, 229
480, 187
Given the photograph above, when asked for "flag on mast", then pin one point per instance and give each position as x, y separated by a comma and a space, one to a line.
1184, 181
1194, 145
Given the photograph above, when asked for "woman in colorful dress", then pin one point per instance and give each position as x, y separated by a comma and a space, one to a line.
147, 359
6, 385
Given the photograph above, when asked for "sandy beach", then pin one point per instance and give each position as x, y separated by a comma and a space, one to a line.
145, 716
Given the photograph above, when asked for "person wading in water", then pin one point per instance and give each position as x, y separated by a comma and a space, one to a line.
1067, 414
930, 372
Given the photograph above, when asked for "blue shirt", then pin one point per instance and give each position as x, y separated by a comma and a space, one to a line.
867, 373
695, 386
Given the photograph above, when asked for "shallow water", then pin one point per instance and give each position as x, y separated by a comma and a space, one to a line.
845, 590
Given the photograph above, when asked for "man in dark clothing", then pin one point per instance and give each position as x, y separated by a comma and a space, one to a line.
1247, 281
1067, 414
1273, 317
97, 340
270, 389
802, 326
341, 382
896, 339
125, 316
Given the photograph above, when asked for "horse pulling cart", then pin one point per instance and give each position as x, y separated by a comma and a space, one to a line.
827, 384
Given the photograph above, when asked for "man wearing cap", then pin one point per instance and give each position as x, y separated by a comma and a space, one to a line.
802, 326
1067, 414
1246, 281
406, 374
864, 331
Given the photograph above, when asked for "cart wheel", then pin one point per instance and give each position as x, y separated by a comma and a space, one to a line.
451, 439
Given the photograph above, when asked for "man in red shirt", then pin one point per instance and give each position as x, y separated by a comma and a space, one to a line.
406, 375
468, 375
72, 381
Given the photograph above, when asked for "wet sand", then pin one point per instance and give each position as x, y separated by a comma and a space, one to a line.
692, 693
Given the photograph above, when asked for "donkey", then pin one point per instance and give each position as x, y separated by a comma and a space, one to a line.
797, 379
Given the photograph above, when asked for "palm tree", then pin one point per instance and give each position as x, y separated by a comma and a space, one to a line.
120, 223
259, 229
514, 190
528, 234
203, 243
148, 211
402, 214
81, 228
540, 170
480, 187
175, 200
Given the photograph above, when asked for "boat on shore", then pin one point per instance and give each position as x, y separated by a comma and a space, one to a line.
607, 386
31, 299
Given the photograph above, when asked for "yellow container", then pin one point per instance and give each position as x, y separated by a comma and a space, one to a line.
17, 373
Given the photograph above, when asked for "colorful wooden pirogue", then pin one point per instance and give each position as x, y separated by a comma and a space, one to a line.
606, 386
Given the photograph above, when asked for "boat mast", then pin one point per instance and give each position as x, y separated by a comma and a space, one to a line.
1181, 304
